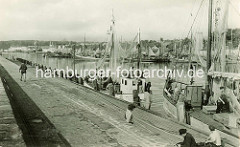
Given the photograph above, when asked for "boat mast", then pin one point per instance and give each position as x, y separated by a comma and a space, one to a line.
160, 48
209, 48
190, 56
84, 40
139, 50
74, 59
112, 27
139, 58
113, 51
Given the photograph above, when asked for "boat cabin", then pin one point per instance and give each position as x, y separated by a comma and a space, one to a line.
129, 87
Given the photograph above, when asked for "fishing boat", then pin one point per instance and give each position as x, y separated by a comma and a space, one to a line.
196, 105
183, 60
153, 55
177, 50
133, 89
86, 58
127, 88
152, 60
79, 57
60, 51
96, 57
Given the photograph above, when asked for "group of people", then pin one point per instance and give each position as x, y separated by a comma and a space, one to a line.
223, 104
214, 139
175, 92
222, 101
147, 101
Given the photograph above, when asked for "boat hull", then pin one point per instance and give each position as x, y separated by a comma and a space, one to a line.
83, 58
170, 108
158, 60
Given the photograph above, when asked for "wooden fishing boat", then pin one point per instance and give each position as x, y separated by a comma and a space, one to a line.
196, 109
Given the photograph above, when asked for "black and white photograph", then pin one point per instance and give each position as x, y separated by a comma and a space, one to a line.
119, 73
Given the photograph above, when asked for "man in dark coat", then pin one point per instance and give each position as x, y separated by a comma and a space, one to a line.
23, 70
188, 141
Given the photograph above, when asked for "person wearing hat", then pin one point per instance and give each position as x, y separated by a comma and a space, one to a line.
128, 115
188, 141
214, 138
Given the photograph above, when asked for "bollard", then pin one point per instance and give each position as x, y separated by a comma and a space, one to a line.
61, 74
70, 76
55, 72
75, 79
95, 85
80, 80
86, 79
111, 89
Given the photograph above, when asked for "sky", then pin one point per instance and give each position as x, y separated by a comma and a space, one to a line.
71, 19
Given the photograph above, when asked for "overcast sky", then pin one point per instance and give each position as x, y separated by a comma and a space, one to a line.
71, 19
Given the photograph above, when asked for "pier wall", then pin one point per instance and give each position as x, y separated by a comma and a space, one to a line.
10, 134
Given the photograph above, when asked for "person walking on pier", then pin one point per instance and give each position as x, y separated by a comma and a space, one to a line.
188, 141
23, 70
128, 115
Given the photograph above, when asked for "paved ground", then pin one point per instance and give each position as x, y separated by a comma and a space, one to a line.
87, 118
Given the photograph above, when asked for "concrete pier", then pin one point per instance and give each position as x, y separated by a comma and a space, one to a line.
85, 117
10, 134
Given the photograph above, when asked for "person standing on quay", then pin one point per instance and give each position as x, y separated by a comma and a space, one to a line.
23, 70
148, 100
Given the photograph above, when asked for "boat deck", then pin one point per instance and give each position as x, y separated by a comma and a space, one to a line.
208, 119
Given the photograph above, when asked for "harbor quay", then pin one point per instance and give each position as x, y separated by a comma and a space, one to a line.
81, 116
115, 73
